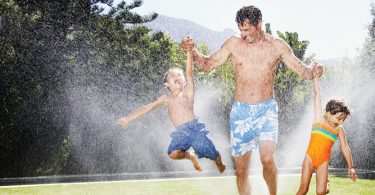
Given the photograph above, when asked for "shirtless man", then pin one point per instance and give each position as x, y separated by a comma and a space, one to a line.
254, 114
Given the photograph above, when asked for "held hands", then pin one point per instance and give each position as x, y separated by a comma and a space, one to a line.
353, 175
187, 44
317, 70
122, 122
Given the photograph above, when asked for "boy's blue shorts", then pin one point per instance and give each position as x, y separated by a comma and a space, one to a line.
193, 134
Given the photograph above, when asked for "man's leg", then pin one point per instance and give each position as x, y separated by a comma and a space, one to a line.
242, 173
267, 156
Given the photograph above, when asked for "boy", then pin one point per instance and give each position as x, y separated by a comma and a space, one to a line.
189, 132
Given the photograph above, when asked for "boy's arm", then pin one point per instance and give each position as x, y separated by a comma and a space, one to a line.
207, 63
124, 121
347, 154
290, 60
189, 74
317, 101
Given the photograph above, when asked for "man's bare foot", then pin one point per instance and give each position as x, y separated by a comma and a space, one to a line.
194, 160
219, 164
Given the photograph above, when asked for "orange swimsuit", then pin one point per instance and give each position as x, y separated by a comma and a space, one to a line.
321, 141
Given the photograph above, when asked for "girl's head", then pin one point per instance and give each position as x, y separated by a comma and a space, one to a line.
336, 112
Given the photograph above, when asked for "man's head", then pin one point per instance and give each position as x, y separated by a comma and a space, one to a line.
336, 111
174, 79
249, 21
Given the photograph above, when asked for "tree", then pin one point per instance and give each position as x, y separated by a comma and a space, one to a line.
49, 48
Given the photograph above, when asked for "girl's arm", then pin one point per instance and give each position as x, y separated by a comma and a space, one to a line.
317, 100
347, 154
124, 121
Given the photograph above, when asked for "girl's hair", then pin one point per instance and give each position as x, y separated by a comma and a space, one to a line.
335, 106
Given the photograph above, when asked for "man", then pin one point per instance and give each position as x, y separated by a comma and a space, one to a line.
253, 119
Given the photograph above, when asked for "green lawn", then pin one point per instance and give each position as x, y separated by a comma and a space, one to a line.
218, 185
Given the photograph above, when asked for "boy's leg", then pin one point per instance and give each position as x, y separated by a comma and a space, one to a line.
267, 153
241, 164
204, 147
220, 165
178, 154
307, 171
321, 178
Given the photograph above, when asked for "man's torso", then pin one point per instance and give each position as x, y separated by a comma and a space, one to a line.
255, 68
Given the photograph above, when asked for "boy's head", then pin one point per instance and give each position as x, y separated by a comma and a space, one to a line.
174, 79
337, 111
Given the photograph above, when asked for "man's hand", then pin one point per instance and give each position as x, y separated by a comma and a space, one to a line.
353, 175
123, 122
187, 44
317, 70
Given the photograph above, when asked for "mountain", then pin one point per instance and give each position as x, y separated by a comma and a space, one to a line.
177, 29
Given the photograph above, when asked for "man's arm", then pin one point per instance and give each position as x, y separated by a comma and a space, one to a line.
124, 121
290, 60
207, 63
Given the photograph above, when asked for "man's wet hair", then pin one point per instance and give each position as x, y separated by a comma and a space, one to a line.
335, 106
249, 13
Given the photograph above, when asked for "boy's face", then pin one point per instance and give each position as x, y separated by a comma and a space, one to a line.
336, 119
175, 80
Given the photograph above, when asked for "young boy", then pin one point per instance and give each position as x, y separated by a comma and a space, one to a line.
326, 129
189, 131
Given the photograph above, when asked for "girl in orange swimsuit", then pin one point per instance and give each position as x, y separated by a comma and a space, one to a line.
325, 131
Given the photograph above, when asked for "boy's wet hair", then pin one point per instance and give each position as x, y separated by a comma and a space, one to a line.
249, 13
335, 106
179, 70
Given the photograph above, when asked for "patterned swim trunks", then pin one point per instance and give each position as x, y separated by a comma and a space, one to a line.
251, 123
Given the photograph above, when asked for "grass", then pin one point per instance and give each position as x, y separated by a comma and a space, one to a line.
214, 185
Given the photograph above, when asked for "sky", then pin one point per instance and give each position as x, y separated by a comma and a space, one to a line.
335, 28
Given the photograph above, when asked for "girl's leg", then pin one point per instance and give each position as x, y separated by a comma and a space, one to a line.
307, 170
322, 178
179, 154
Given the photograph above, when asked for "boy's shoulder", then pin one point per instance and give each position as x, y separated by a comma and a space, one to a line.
163, 99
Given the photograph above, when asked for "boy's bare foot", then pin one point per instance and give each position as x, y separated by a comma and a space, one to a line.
219, 164
194, 160
327, 189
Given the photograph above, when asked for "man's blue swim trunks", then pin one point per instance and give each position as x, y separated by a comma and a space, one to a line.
193, 134
251, 123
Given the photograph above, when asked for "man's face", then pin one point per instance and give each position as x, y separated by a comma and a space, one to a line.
249, 32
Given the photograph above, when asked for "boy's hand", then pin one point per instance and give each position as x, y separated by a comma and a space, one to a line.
353, 175
123, 122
